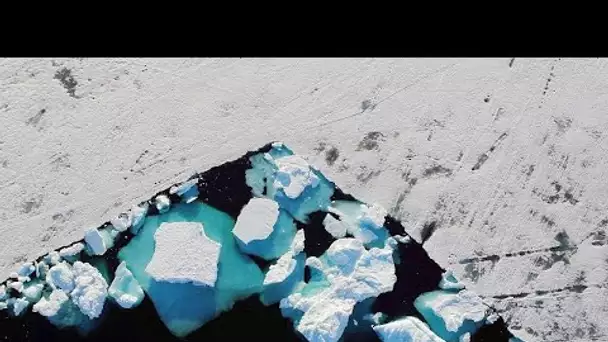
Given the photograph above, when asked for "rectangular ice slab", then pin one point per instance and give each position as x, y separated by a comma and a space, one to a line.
261, 248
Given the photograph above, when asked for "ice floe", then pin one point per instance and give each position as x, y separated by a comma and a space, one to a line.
125, 289
90, 289
408, 329
183, 253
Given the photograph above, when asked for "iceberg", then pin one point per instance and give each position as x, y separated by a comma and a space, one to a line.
452, 315
125, 289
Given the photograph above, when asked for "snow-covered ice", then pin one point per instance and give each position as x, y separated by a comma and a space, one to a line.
450, 314
353, 274
162, 203
50, 306
61, 276
90, 291
294, 175
183, 253
72, 250
256, 221
337, 228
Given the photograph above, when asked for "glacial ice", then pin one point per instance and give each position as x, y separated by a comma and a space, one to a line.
288, 179
408, 329
263, 230
61, 276
48, 307
162, 203
183, 254
337, 228
451, 315
138, 216
125, 289
187, 190
20, 305
72, 250
33, 291
90, 291
26, 269
346, 274
3, 293
449, 282
362, 221
237, 277
97, 241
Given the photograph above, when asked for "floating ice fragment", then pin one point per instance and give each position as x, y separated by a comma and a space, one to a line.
14, 275
72, 250
187, 190
95, 240
53, 258
33, 291
184, 254
26, 269
90, 291
449, 282
256, 221
336, 228
122, 222
162, 203
23, 279
449, 314
3, 306
298, 242
61, 276
20, 305
408, 329
372, 216
49, 307
16, 285
3, 293
346, 274
294, 175
465, 338
138, 216
125, 289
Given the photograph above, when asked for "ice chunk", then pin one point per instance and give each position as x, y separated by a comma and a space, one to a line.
73, 250
372, 216
346, 274
335, 227
61, 276
283, 277
183, 253
187, 190
26, 269
20, 305
125, 289
41, 270
96, 241
294, 175
122, 222
53, 258
256, 221
465, 338
23, 279
3, 294
138, 216
33, 291
408, 329
362, 221
162, 203
288, 179
49, 307
449, 282
3, 306
16, 285
297, 246
451, 315
90, 291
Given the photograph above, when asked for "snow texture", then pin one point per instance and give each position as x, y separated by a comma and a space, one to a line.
61, 277
503, 153
184, 254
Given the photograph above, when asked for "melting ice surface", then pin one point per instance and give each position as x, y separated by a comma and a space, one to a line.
320, 261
